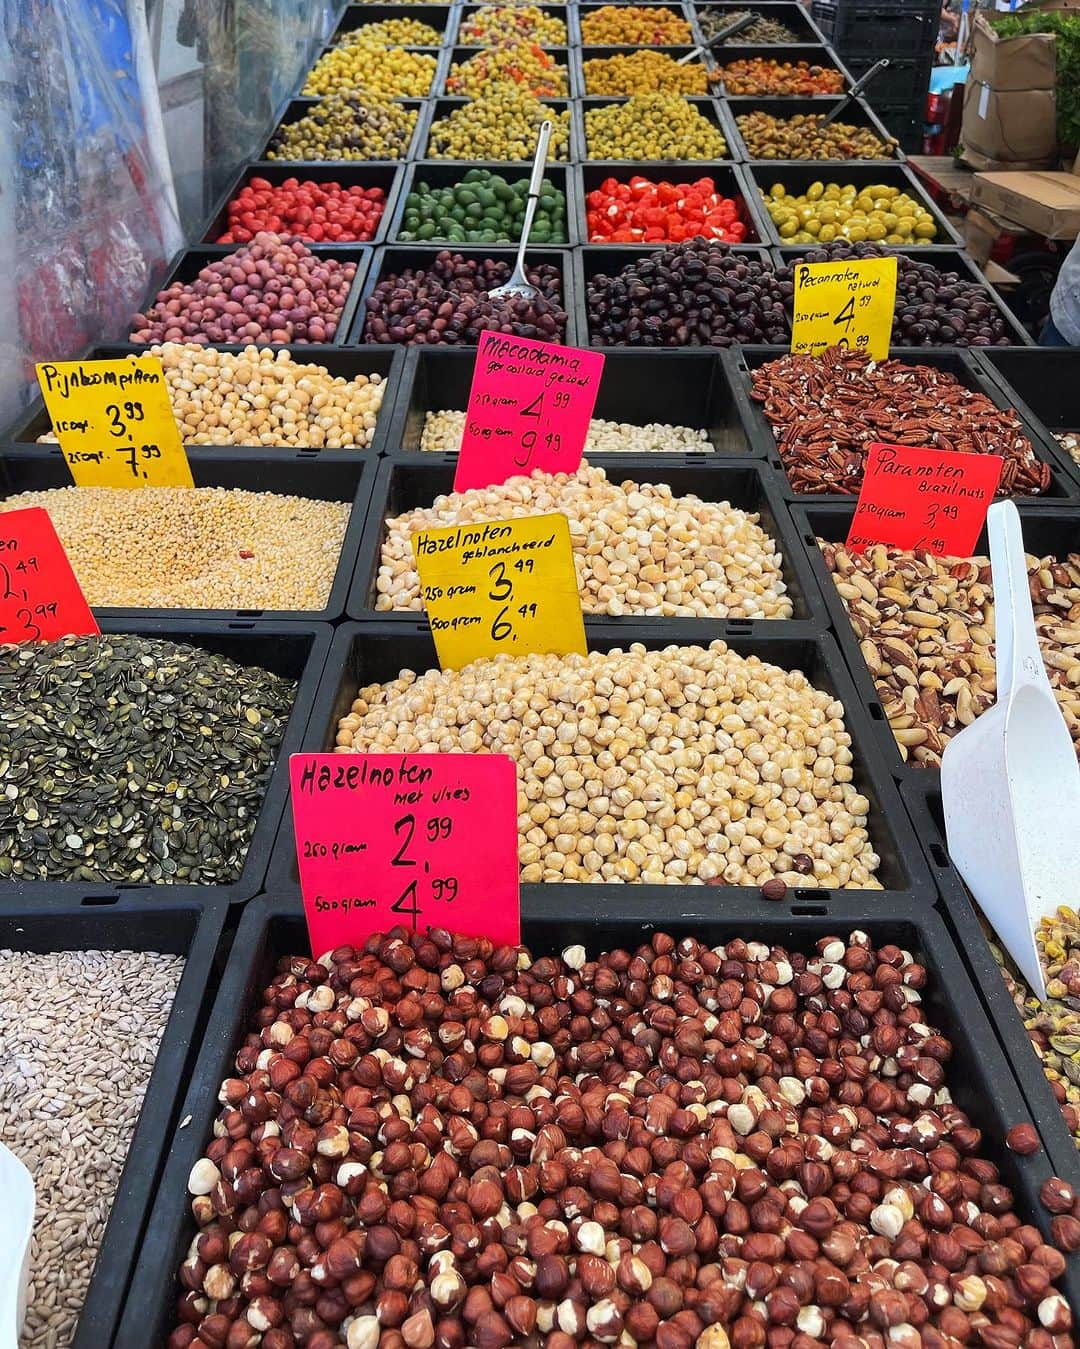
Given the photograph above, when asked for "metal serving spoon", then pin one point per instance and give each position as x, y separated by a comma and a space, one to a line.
518, 287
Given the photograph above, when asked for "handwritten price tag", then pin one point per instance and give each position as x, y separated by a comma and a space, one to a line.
115, 423
846, 304
500, 585
40, 599
529, 408
928, 499
424, 840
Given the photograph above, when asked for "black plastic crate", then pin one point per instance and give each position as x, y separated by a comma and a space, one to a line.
813, 56
566, 14
339, 361
857, 113
443, 18
945, 260
1043, 384
963, 917
637, 387
404, 485
439, 173
1053, 529
320, 479
955, 361
394, 259
610, 259
190, 927
301, 105
907, 122
727, 177
295, 650
792, 15
797, 176
711, 109
560, 55
190, 263
384, 175
905, 81
376, 652
441, 108
977, 1075
878, 27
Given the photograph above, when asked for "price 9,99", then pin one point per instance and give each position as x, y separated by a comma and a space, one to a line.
420, 840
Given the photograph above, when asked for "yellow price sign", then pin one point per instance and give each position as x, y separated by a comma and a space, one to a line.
500, 586
844, 304
115, 423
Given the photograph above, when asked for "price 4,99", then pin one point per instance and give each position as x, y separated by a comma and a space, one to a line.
436, 889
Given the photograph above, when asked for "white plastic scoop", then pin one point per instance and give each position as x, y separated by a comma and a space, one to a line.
1010, 786
17, 1189
518, 287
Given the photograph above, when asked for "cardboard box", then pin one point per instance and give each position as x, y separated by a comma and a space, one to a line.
1045, 203
1009, 129
1012, 64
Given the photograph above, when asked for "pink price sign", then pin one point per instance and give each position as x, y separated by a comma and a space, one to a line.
420, 840
529, 408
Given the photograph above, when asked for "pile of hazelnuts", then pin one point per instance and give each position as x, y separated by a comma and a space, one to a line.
431, 1142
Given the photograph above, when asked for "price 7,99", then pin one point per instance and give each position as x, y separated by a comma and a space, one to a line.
422, 887
534, 411
502, 592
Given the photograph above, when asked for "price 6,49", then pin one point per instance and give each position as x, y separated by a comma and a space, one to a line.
440, 889
502, 592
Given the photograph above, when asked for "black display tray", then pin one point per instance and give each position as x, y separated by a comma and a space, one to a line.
1047, 529
339, 361
559, 53
945, 260
447, 172
727, 177
301, 105
376, 652
712, 109
587, 7
953, 360
687, 387
402, 485
190, 263
813, 56
978, 1075
444, 18
1042, 383
190, 927
282, 473
796, 175
857, 113
441, 107
295, 650
566, 13
923, 801
610, 259
395, 258
355, 174
793, 16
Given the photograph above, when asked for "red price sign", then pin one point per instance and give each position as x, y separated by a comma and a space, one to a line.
529, 408
420, 840
927, 499
40, 599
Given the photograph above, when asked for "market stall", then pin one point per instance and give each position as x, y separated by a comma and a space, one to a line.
582, 636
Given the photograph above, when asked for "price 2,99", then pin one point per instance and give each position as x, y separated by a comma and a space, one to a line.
422, 888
